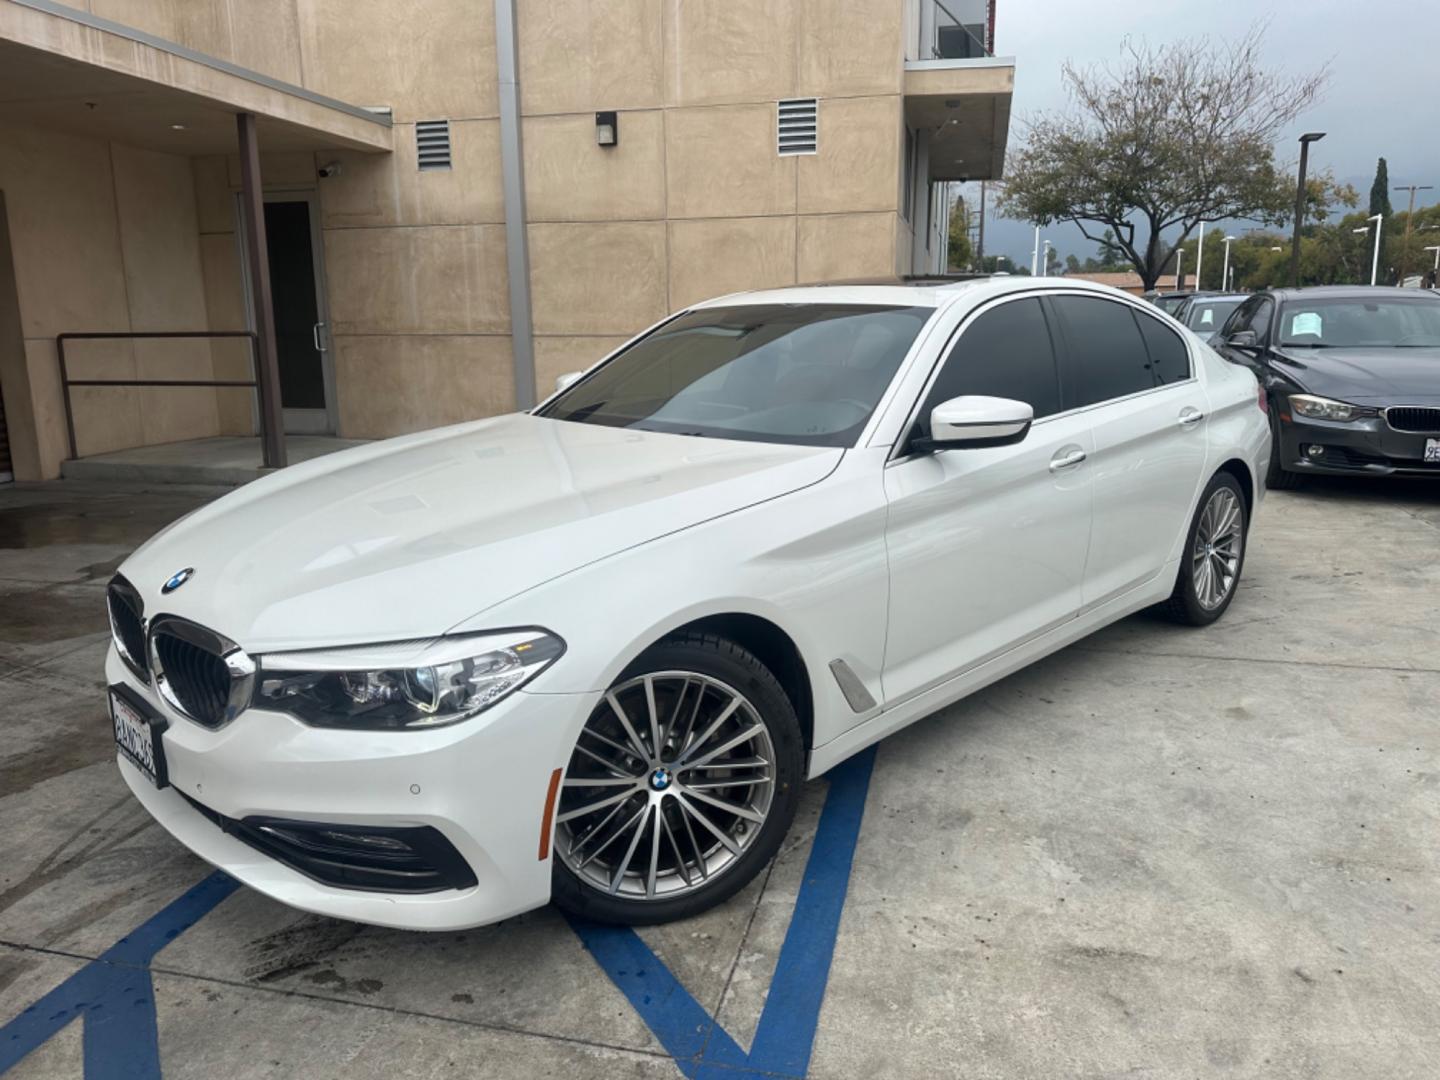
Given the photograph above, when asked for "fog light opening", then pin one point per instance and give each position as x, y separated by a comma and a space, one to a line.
1314, 451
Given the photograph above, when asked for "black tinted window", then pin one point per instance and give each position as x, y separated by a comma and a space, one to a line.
1006, 353
1169, 359
1106, 355
1260, 320
1240, 317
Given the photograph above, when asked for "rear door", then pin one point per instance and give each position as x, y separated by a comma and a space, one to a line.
1131, 375
987, 545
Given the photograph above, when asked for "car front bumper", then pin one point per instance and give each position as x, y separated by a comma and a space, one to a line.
1360, 447
482, 784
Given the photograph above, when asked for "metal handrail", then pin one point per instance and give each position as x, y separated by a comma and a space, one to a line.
88, 335
955, 19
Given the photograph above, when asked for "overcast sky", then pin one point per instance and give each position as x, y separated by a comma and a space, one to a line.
1382, 99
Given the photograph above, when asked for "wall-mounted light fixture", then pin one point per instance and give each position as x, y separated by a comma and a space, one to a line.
607, 129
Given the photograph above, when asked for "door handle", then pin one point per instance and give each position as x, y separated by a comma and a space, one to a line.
317, 333
1067, 460
1190, 416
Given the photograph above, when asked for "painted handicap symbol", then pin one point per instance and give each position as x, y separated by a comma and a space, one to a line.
785, 1035
114, 998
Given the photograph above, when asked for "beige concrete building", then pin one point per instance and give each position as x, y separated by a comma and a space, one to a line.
663, 151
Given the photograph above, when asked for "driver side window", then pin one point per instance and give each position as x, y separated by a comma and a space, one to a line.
1007, 353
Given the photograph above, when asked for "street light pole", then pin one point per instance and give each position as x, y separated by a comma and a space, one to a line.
1035, 254
1409, 220
1179, 262
1045, 260
1379, 220
1305, 141
1200, 257
1225, 269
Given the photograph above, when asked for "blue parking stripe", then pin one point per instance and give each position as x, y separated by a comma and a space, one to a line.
785, 1035
114, 995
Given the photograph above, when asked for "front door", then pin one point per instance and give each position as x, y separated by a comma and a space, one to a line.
987, 546
297, 291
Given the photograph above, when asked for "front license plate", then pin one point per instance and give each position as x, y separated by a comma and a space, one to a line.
138, 734
1432, 450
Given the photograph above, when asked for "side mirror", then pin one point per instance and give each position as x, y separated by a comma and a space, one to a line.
975, 420
568, 379
1242, 339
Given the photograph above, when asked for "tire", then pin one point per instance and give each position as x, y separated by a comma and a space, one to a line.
1213, 556
1277, 477
691, 679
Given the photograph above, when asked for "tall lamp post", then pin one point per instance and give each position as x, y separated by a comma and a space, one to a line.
1200, 258
1436, 271
1045, 260
1179, 262
1305, 141
1379, 220
1225, 269
1409, 221
1035, 254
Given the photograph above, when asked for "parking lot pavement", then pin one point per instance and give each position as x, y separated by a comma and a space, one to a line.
1161, 852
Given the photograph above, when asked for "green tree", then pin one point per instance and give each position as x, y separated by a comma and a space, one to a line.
1176, 136
1380, 190
961, 254
1072, 264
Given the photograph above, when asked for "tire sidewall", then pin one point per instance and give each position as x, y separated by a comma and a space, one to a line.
1198, 613
737, 667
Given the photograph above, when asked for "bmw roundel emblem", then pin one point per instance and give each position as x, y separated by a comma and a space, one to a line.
177, 579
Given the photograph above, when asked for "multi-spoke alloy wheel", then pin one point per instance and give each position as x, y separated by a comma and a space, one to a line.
672, 784
1215, 555
1215, 558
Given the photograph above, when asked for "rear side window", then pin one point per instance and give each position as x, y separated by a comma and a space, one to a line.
1106, 355
1169, 358
1007, 353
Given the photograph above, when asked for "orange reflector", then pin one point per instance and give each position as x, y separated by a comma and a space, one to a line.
548, 815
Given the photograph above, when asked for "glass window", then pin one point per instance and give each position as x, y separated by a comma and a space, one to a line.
1169, 358
790, 373
1006, 352
1106, 356
1207, 316
1342, 322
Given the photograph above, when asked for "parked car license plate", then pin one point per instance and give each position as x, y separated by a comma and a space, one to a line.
1432, 450
138, 734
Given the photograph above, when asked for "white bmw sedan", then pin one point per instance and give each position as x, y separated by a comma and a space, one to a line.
590, 653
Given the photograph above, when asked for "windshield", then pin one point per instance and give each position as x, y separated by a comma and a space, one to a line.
794, 373
1394, 322
1170, 304
1209, 314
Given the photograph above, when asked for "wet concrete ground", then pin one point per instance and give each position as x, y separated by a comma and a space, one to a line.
1159, 853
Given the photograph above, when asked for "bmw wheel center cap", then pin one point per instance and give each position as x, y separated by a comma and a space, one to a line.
660, 779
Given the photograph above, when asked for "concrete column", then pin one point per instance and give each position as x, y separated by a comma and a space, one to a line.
267, 368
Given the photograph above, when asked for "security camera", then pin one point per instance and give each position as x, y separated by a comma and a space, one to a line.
329, 169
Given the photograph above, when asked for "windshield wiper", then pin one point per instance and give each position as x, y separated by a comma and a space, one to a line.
1306, 345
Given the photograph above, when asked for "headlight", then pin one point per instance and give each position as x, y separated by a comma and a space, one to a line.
406, 685
1319, 408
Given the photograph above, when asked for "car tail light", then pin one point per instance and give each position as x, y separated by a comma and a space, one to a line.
1263, 400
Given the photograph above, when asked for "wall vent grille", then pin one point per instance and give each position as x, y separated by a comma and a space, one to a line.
797, 126
432, 144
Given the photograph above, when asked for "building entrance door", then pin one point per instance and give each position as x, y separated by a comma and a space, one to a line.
302, 333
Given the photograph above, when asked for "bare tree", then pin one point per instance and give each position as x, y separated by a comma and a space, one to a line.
1177, 134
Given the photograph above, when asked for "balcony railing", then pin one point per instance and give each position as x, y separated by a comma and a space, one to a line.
953, 29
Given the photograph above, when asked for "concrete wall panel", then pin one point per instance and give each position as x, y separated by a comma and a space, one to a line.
729, 51
597, 278
857, 167
722, 162
715, 256
584, 55
850, 47
555, 356
846, 247
569, 178
422, 279
430, 62
389, 385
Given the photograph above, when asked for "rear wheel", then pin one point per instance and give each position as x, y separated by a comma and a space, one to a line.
681, 786
1213, 556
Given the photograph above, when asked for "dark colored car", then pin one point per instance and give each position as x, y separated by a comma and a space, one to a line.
1205, 313
1169, 302
1352, 374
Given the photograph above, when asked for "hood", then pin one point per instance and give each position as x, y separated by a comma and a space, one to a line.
1368, 376
409, 537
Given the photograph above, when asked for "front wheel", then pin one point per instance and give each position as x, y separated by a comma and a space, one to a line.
681, 786
1213, 555
1277, 477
